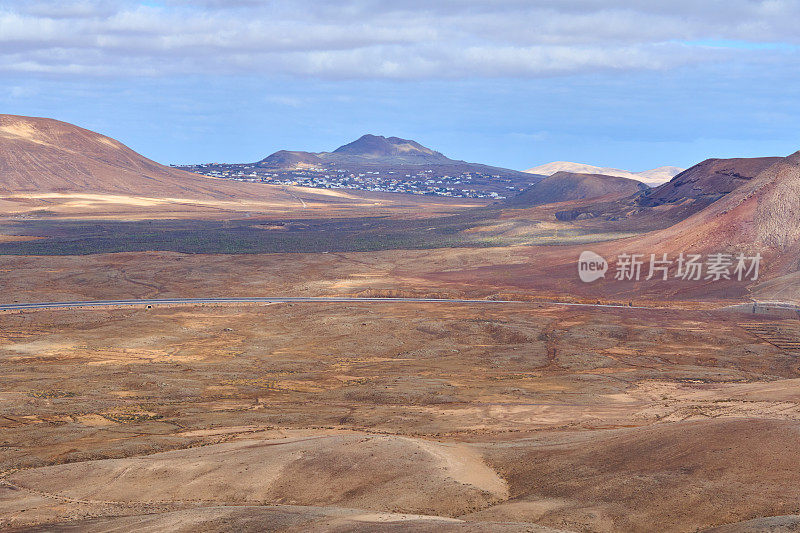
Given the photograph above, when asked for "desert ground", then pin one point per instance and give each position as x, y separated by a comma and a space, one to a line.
550, 405
385, 415
521, 416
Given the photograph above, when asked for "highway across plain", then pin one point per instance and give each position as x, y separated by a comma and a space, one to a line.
282, 299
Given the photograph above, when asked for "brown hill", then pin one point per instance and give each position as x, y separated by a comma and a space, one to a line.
759, 217
683, 476
688, 193
361, 471
570, 186
762, 214
290, 159
368, 149
45, 155
708, 181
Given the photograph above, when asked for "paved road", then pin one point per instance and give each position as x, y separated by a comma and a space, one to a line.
234, 300
174, 301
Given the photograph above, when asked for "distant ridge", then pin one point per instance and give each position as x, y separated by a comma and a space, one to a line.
655, 176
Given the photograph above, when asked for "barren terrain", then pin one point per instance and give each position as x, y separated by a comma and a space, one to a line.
293, 415
669, 411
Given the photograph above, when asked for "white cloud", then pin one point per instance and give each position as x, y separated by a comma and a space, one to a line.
373, 39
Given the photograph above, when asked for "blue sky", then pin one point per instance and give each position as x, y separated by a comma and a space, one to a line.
625, 83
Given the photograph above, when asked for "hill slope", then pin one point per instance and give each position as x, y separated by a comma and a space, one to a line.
45, 155
761, 214
569, 186
709, 180
688, 193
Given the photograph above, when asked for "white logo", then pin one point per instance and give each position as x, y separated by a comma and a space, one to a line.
591, 267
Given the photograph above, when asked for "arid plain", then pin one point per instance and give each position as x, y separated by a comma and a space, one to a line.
665, 411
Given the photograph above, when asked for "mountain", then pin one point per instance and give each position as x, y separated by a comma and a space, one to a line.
654, 176
289, 159
42, 155
394, 148
390, 160
688, 193
367, 150
709, 180
570, 186
758, 217
658, 175
374, 151
761, 213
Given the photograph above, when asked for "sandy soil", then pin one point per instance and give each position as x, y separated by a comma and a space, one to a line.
364, 471
525, 415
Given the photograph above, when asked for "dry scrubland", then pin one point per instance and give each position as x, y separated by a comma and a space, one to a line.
389, 416
436, 417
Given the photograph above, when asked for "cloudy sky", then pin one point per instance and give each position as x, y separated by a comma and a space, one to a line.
626, 83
